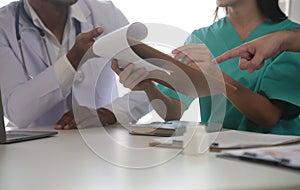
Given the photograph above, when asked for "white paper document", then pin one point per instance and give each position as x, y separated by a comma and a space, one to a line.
233, 139
243, 139
116, 45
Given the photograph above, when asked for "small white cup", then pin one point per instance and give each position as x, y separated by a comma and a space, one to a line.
195, 141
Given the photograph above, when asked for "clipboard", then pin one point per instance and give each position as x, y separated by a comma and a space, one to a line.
183, 78
280, 156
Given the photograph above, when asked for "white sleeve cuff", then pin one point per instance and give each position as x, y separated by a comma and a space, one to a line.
122, 115
130, 107
65, 74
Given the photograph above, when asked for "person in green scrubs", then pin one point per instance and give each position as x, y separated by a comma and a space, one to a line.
265, 101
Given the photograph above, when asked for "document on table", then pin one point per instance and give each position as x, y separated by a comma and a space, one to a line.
286, 156
233, 139
241, 139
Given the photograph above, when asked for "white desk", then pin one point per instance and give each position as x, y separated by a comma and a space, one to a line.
65, 162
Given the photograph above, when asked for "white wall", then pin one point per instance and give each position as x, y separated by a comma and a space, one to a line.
187, 15
295, 10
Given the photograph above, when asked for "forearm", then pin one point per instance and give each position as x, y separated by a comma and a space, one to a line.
255, 107
167, 108
23, 96
130, 107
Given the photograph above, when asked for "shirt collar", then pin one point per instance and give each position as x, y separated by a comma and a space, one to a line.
74, 13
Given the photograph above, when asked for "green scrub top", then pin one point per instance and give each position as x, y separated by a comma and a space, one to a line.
279, 79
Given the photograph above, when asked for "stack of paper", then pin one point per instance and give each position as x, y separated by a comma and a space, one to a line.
164, 129
233, 139
241, 139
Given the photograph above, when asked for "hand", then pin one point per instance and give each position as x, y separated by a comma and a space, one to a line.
198, 57
252, 54
194, 55
85, 117
133, 80
83, 42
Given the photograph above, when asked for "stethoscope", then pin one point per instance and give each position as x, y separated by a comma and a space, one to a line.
21, 9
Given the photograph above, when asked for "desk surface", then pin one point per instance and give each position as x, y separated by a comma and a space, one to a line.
66, 162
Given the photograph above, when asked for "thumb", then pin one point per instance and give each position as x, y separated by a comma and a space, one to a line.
256, 62
95, 32
115, 66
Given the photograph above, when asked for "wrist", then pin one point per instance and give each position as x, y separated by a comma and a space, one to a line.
148, 85
286, 40
74, 58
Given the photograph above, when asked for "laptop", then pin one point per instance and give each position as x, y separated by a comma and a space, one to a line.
13, 136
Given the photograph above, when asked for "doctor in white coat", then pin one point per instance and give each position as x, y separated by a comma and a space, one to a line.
40, 54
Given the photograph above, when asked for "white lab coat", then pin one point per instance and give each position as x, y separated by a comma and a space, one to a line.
130, 107
40, 101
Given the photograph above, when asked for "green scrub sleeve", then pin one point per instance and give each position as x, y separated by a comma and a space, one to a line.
281, 80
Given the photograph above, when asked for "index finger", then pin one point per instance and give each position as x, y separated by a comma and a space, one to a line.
236, 52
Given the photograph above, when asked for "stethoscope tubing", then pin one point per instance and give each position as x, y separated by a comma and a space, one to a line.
20, 9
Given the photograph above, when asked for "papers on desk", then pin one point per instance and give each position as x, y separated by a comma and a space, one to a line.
242, 144
286, 156
233, 139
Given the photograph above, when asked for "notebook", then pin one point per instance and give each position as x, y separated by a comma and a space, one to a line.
13, 136
163, 129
